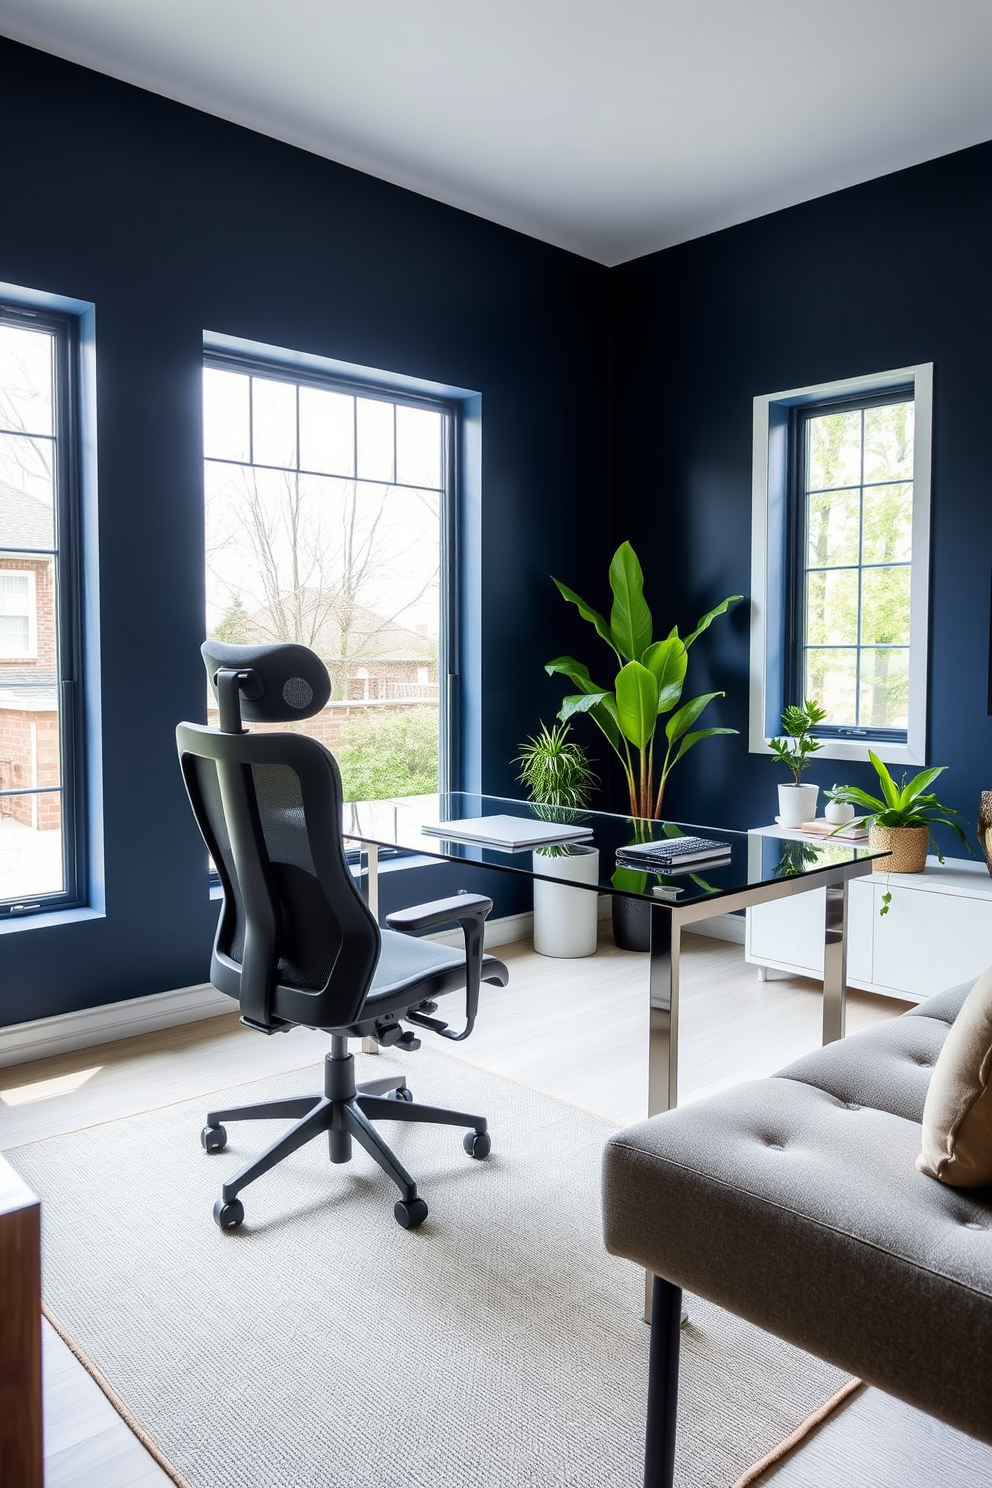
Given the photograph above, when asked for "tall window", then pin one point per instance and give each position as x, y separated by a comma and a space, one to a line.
854, 528
840, 562
39, 838
326, 511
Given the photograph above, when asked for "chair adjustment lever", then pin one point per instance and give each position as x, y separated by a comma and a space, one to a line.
391, 1035
434, 1024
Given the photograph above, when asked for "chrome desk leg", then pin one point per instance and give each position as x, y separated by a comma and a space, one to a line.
663, 1034
835, 964
369, 869
663, 982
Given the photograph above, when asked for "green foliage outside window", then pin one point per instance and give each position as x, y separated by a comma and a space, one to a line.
859, 514
389, 752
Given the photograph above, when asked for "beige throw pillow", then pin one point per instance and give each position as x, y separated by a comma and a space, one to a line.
957, 1115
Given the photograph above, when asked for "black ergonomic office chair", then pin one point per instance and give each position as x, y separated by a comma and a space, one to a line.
296, 943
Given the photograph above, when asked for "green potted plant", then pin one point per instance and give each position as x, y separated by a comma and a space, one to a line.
797, 800
901, 817
559, 778
646, 692
646, 689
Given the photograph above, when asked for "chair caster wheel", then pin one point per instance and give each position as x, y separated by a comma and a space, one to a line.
213, 1138
410, 1215
229, 1215
402, 1093
477, 1144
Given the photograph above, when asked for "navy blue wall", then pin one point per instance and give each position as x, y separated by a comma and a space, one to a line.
614, 404
171, 223
879, 276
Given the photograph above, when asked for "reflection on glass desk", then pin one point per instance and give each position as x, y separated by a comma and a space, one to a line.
754, 870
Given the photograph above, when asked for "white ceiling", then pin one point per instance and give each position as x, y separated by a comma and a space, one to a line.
610, 127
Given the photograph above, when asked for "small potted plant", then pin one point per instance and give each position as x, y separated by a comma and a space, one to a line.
797, 800
901, 818
559, 779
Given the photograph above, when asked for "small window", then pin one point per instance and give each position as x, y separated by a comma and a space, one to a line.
840, 562
18, 624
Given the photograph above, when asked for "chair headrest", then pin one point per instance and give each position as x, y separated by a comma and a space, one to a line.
287, 681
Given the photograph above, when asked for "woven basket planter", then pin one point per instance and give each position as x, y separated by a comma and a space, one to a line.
907, 846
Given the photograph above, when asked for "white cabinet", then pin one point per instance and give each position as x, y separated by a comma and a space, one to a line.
938, 930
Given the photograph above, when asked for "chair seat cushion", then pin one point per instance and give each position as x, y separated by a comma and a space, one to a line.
795, 1202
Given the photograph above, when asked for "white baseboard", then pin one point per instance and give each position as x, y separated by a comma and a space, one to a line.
22, 1042
65, 1032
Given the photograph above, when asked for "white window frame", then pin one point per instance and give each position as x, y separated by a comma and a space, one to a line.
31, 654
768, 589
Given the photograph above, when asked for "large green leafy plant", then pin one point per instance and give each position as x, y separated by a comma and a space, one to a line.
646, 690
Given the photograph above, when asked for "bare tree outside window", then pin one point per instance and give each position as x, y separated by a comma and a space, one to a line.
323, 526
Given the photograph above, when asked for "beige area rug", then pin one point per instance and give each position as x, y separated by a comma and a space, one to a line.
321, 1346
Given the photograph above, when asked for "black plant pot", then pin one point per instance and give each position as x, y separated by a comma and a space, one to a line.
631, 923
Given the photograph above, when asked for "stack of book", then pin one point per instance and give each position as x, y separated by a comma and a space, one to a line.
674, 854
848, 832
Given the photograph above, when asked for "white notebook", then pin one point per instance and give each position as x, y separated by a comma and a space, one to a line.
508, 833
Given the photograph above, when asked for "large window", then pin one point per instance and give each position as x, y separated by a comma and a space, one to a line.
840, 562
40, 840
327, 505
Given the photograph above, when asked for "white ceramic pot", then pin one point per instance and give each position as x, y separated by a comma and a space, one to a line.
796, 804
838, 812
566, 918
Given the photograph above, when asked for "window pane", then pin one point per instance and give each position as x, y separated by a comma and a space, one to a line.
225, 415
273, 422
832, 607
885, 688
834, 451
327, 431
418, 446
26, 404
888, 534
885, 606
833, 528
27, 492
830, 676
889, 442
375, 439
30, 844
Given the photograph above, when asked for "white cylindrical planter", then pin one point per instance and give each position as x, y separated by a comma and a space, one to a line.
796, 804
566, 919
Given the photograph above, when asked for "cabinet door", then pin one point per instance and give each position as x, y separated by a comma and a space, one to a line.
929, 941
789, 932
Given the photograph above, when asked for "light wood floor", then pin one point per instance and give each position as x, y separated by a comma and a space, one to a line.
575, 1029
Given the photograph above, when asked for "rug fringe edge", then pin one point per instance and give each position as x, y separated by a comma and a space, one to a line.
801, 1432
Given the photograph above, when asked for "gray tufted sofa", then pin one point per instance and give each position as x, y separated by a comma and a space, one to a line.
794, 1202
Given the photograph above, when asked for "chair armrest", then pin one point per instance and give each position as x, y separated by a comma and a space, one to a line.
470, 911
460, 907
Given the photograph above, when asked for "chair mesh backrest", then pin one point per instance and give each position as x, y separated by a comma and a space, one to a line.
326, 941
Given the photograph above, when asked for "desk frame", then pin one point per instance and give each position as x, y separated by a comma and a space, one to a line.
668, 920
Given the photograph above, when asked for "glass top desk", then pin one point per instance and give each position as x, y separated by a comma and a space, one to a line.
756, 869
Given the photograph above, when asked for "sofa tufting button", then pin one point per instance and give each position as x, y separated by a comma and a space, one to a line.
852, 1106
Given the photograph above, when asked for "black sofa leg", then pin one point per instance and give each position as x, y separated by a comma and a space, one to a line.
663, 1384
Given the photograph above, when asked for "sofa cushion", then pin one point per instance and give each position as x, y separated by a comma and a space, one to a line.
888, 1066
957, 1116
